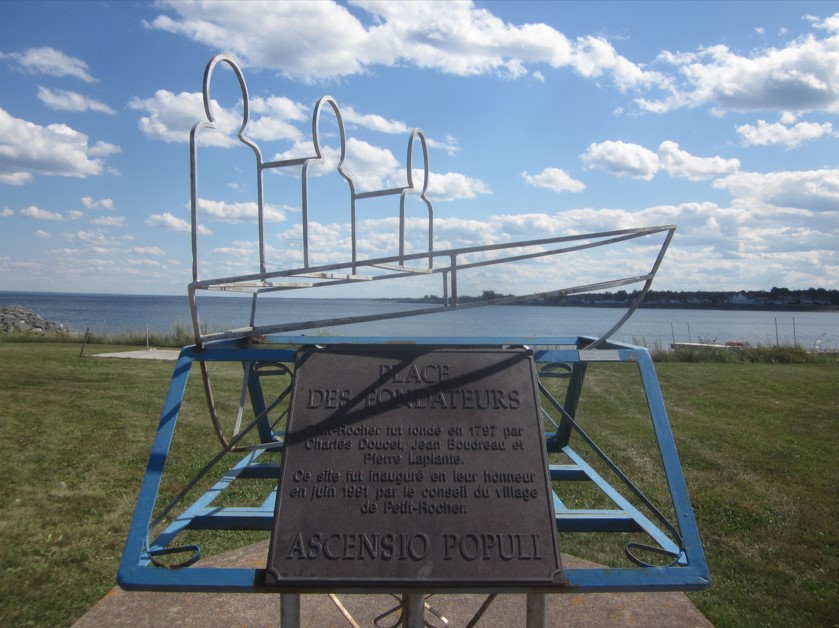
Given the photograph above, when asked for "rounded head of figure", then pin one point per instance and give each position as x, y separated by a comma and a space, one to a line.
417, 134
321, 103
208, 101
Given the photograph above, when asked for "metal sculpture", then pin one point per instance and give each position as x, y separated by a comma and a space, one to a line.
447, 263
267, 354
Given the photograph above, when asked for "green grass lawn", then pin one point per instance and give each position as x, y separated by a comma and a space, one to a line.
758, 444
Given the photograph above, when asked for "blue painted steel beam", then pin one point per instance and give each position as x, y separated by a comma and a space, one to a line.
130, 569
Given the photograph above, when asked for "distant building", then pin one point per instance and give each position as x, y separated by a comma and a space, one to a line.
740, 299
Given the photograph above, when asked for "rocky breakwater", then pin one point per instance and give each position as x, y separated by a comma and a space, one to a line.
16, 319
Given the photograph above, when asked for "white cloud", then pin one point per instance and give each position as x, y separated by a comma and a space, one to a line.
380, 237
45, 235
62, 100
462, 39
15, 178
27, 149
575, 221
108, 221
788, 117
809, 190
454, 232
620, 158
272, 129
40, 214
91, 238
829, 23
74, 214
375, 168
449, 145
50, 62
594, 56
711, 241
374, 122
733, 244
173, 223
142, 262
104, 203
624, 159
371, 167
320, 39
147, 250
103, 149
554, 179
682, 165
273, 121
803, 76
524, 226
304, 149
454, 185
239, 212
279, 107
7, 212
377, 237
324, 40
237, 249
766, 134
171, 116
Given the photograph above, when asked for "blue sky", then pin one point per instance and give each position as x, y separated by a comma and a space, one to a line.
543, 119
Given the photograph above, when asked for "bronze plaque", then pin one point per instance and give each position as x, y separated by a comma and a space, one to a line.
414, 468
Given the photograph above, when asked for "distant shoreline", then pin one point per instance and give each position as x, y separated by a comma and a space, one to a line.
644, 305
775, 300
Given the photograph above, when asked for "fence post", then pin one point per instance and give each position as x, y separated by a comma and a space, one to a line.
84, 341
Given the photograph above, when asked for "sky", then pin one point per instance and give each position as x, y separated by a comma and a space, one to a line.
542, 119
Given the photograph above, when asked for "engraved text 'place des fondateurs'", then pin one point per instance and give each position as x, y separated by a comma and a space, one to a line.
414, 467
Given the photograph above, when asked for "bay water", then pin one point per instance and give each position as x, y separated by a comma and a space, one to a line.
654, 328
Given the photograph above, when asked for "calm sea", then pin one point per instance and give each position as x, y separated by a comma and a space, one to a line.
651, 327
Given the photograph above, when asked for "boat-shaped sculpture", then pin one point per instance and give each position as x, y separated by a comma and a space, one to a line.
448, 264
255, 367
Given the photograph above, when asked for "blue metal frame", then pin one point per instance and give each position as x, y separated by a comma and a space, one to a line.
679, 539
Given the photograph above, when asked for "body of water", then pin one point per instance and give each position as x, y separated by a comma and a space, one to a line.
650, 327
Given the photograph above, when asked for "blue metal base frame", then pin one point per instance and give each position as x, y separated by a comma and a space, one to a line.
565, 357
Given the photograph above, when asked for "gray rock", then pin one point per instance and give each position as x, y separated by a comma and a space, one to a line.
18, 319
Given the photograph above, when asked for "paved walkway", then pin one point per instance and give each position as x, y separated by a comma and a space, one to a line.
141, 354
210, 610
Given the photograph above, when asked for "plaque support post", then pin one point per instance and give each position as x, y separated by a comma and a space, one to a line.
290, 610
413, 610
536, 610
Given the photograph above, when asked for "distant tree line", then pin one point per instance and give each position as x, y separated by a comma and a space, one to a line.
774, 299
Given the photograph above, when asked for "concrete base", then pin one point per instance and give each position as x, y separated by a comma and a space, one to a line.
132, 608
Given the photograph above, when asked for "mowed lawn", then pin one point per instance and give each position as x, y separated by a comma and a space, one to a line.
758, 443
